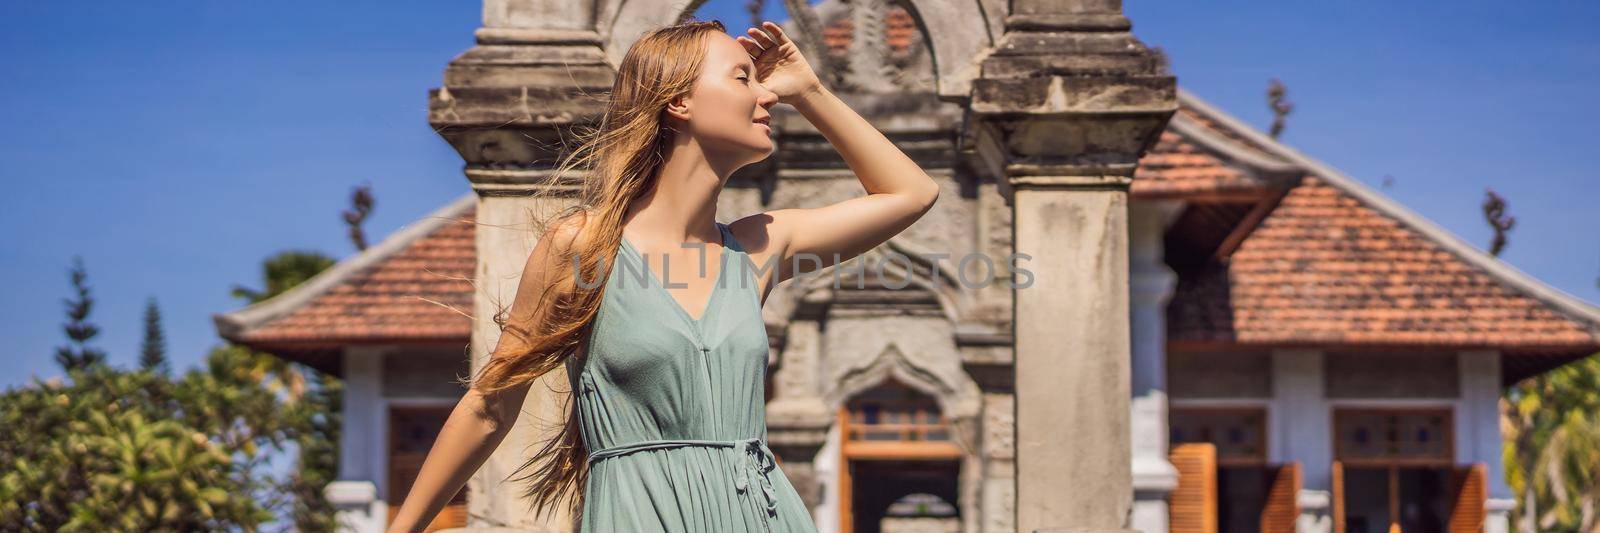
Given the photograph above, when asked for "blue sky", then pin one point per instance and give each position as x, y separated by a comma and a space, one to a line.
176, 144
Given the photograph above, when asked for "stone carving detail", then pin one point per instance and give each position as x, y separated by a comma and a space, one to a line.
999, 426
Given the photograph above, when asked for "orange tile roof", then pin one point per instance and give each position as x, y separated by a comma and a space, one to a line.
1325, 269
1176, 166
1336, 264
420, 293
412, 288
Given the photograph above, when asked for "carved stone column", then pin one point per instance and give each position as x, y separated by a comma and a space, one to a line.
538, 70
797, 417
1063, 108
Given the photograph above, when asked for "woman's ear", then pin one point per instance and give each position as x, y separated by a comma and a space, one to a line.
679, 108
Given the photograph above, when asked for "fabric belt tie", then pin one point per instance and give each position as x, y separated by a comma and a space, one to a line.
758, 461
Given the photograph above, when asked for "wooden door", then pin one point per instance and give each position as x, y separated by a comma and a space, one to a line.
1282, 507
1193, 505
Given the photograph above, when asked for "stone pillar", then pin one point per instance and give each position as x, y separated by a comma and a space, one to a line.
359, 505
797, 418
1151, 286
1063, 108
505, 106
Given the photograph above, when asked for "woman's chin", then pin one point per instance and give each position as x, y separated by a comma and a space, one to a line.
765, 146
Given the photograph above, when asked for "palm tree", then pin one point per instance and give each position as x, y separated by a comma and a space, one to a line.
1552, 454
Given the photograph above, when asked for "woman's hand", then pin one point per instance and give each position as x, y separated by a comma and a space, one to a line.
779, 65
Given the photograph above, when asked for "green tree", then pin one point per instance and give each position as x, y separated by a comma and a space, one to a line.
283, 271
312, 398
115, 450
317, 425
153, 349
77, 354
107, 449
1552, 448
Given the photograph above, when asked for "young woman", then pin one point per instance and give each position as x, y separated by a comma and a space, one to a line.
665, 429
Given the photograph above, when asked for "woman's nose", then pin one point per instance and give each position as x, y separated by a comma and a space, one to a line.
765, 97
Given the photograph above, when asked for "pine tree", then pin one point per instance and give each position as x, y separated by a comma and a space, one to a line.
153, 351
77, 355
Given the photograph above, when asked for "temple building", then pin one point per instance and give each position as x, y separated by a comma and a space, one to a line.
1306, 353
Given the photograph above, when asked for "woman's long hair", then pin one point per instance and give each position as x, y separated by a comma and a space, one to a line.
622, 157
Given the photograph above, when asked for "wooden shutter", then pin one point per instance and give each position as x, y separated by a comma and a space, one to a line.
1282, 507
847, 518
1469, 484
1338, 497
1193, 505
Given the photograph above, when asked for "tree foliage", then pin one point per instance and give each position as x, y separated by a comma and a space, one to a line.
115, 450
153, 348
77, 353
1551, 425
315, 397
283, 271
108, 449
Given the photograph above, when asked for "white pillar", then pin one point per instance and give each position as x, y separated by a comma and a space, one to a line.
1300, 427
358, 495
1478, 431
1151, 284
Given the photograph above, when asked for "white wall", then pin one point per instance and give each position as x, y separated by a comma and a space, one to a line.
1299, 417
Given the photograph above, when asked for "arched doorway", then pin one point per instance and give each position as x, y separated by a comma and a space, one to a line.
900, 463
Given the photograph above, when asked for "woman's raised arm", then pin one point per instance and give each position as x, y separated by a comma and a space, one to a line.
898, 190
480, 421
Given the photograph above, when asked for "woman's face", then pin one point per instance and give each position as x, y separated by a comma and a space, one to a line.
728, 108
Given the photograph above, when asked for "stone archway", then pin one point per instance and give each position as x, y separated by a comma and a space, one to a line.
958, 32
926, 362
936, 374
892, 441
623, 21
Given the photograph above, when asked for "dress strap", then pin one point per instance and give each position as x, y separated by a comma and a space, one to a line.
758, 460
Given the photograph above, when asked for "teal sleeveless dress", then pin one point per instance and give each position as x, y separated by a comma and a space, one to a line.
672, 408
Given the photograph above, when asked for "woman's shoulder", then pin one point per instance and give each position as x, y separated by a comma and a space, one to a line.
557, 239
752, 233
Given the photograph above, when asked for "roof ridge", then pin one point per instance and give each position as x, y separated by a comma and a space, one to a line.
1571, 305
230, 324
1229, 150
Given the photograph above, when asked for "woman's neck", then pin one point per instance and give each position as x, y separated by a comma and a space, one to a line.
682, 204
